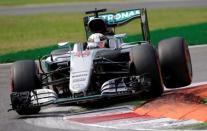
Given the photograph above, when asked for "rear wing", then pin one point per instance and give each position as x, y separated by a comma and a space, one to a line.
118, 19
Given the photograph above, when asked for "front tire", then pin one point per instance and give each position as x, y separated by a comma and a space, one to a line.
175, 62
145, 61
24, 78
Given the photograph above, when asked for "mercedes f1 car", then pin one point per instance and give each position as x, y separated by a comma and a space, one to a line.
75, 74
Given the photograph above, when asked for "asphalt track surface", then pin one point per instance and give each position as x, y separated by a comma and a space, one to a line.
11, 121
81, 7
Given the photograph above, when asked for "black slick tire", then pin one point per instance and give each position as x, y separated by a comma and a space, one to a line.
175, 62
24, 78
145, 61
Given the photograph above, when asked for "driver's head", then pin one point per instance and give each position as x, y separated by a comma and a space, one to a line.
97, 40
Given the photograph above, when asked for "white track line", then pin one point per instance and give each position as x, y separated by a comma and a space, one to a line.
150, 124
192, 85
197, 84
197, 46
6, 64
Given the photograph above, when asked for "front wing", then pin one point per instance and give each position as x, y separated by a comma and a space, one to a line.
122, 86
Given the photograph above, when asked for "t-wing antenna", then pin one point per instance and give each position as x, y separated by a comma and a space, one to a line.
95, 12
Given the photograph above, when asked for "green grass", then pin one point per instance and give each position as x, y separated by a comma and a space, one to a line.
30, 32
32, 54
28, 2
200, 31
166, 18
36, 31
193, 34
201, 126
204, 101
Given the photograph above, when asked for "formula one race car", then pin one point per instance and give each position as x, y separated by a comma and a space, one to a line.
105, 67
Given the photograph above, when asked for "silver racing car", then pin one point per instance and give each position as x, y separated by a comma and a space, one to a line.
104, 67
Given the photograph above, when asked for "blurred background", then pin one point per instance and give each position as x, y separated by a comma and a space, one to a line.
32, 28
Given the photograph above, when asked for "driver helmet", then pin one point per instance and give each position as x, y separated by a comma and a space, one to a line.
97, 40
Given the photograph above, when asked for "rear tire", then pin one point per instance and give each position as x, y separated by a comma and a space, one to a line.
145, 61
175, 62
24, 78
